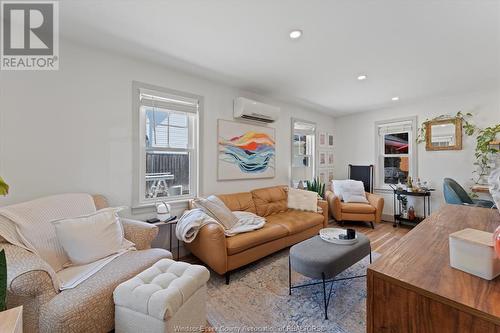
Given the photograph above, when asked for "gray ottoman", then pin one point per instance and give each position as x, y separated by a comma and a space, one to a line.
318, 259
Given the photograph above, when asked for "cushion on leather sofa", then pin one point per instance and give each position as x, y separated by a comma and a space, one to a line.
270, 200
239, 201
359, 208
241, 242
296, 221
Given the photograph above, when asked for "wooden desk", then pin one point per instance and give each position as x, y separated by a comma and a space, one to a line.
412, 288
11, 321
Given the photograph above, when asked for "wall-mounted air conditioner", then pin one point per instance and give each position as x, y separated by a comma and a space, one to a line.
245, 108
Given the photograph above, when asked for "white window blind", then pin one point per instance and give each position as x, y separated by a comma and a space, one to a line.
167, 101
396, 127
167, 119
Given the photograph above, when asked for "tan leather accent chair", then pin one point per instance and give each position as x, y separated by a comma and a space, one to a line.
354, 211
284, 227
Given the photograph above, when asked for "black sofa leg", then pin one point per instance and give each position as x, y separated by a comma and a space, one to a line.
371, 223
227, 275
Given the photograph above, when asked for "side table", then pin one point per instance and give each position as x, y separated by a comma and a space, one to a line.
171, 225
398, 207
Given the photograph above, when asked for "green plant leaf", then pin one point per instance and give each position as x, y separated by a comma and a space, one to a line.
4, 188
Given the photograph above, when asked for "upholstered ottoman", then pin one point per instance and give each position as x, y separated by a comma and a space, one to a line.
318, 259
167, 297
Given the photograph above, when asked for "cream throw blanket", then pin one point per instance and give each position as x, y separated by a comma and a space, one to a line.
29, 226
192, 220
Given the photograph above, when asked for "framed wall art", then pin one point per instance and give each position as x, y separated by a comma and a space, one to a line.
322, 159
245, 151
329, 140
322, 137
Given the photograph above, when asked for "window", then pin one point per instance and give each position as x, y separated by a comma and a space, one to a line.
396, 153
168, 140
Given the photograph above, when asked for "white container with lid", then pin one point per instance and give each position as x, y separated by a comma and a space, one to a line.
472, 251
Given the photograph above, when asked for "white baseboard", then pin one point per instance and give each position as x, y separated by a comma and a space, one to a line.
387, 217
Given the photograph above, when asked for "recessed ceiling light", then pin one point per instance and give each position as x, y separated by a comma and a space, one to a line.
294, 34
395, 98
362, 77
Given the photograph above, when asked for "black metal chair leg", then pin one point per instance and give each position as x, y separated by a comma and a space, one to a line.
371, 223
324, 296
289, 276
227, 275
370, 256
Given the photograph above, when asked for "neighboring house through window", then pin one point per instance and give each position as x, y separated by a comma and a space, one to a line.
395, 151
167, 141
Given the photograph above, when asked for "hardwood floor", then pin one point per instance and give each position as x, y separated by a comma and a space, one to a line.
382, 237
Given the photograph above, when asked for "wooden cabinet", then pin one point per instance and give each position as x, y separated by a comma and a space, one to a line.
413, 288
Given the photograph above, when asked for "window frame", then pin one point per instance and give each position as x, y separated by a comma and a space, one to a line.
380, 150
139, 152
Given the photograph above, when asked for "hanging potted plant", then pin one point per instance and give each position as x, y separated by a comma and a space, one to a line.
485, 152
4, 190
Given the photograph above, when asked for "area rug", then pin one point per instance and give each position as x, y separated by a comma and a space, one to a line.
257, 300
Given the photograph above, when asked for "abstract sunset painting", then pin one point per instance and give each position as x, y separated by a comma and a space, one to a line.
245, 151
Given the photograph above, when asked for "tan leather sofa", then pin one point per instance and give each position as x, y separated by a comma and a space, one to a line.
353, 211
284, 227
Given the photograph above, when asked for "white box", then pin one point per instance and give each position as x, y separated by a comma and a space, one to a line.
472, 251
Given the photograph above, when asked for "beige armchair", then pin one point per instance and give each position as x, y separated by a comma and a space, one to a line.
88, 307
353, 211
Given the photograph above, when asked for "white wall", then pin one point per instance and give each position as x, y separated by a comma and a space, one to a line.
354, 139
71, 130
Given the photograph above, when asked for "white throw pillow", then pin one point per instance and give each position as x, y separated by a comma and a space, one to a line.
302, 200
348, 187
353, 191
215, 208
355, 198
337, 188
353, 187
88, 238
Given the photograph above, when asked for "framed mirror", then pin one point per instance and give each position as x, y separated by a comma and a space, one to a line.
303, 151
443, 134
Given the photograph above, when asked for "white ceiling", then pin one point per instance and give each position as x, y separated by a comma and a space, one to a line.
414, 49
